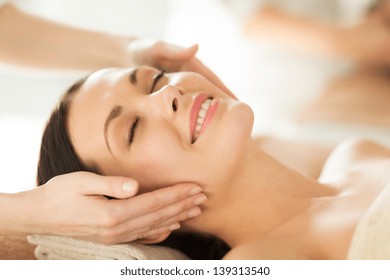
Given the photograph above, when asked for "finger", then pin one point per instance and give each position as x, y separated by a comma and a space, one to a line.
200, 68
112, 186
177, 212
155, 236
174, 53
126, 232
151, 202
185, 215
180, 211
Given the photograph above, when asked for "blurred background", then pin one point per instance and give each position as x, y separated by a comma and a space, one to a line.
276, 83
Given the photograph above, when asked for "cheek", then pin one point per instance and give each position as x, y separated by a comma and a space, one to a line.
160, 162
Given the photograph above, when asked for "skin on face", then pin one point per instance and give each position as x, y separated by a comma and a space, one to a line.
157, 114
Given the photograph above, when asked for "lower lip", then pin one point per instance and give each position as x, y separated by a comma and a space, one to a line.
209, 116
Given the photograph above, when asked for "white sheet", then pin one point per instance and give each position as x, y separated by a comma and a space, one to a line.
371, 240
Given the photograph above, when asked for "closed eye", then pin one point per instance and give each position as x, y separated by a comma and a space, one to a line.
133, 129
156, 78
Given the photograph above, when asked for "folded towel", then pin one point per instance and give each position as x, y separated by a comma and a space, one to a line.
65, 248
371, 240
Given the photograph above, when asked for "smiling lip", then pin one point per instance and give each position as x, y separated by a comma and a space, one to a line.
199, 99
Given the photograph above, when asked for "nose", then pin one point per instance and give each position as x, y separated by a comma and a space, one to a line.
168, 101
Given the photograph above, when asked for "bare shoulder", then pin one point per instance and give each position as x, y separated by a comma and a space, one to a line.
356, 154
269, 249
303, 156
358, 149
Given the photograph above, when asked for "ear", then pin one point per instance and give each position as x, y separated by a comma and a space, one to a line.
154, 238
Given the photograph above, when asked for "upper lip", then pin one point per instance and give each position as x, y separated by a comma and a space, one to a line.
198, 101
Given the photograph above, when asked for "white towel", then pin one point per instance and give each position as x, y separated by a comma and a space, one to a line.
65, 248
371, 240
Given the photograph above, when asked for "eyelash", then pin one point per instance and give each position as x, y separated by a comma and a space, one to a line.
133, 127
156, 78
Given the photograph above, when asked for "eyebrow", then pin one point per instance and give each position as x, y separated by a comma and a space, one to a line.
133, 76
115, 112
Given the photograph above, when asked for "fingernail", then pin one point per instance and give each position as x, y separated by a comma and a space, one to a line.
194, 213
174, 227
195, 191
200, 199
128, 186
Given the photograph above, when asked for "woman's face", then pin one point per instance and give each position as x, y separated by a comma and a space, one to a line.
160, 129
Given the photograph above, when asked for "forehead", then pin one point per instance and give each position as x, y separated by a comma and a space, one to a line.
103, 79
98, 88
89, 108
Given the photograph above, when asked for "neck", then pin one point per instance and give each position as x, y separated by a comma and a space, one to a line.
260, 198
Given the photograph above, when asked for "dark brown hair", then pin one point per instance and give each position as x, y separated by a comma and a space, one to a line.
57, 156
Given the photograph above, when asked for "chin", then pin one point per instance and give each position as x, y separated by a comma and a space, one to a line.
240, 120
225, 155
234, 136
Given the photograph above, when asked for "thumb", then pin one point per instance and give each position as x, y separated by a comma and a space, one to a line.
171, 52
111, 186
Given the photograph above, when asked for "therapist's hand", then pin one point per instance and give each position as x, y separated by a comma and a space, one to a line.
171, 58
76, 205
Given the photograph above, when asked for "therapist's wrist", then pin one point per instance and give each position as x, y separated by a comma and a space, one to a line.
108, 51
15, 210
119, 53
101, 50
135, 51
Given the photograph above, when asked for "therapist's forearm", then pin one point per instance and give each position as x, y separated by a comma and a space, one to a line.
31, 41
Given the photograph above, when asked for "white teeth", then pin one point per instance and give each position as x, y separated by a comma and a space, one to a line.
202, 113
201, 116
